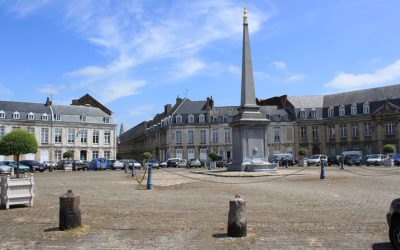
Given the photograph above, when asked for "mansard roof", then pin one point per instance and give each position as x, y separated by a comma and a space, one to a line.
24, 107
307, 101
78, 110
191, 107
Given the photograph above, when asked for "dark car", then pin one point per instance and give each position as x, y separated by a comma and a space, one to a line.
80, 165
334, 160
396, 159
220, 161
358, 160
154, 163
172, 162
393, 220
34, 165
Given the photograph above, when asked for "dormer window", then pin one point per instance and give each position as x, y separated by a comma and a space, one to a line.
83, 118
2, 114
178, 119
302, 114
31, 116
16, 115
353, 109
202, 118
366, 108
45, 117
106, 120
215, 119
57, 117
191, 118
313, 113
330, 111
342, 110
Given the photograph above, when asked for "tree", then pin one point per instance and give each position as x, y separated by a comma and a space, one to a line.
146, 156
213, 155
302, 152
69, 154
388, 149
18, 142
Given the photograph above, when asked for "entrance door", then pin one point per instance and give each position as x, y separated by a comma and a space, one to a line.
203, 154
179, 153
44, 155
191, 154
83, 155
30, 157
316, 150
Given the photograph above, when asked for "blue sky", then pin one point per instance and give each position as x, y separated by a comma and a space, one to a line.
137, 56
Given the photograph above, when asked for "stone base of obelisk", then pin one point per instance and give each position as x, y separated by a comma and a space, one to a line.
253, 167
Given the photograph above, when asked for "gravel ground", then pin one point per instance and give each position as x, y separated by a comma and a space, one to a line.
284, 211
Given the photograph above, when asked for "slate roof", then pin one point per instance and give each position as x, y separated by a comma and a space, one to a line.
26, 107
307, 101
191, 107
78, 110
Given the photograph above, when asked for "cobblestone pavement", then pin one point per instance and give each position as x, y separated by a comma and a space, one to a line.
345, 211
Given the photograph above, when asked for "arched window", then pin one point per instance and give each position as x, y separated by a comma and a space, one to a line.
302, 114
16, 115
313, 113
331, 111
366, 108
342, 111
191, 118
353, 109
178, 119
2, 114
31, 116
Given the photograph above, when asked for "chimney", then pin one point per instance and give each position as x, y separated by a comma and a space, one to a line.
48, 102
179, 100
209, 103
167, 109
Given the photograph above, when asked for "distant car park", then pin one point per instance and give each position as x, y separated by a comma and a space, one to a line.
396, 159
116, 164
98, 164
78, 165
22, 168
154, 163
194, 163
34, 165
375, 159
50, 165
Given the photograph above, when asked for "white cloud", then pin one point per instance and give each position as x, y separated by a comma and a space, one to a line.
279, 65
24, 8
234, 70
116, 90
295, 78
51, 89
346, 81
187, 68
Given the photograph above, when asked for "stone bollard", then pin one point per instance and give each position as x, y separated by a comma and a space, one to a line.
237, 218
70, 212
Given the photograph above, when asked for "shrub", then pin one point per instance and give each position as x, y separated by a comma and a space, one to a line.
388, 149
213, 155
68, 155
303, 151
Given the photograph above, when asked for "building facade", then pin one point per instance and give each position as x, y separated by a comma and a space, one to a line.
86, 130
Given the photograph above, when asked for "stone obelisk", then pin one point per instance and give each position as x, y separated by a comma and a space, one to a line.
249, 127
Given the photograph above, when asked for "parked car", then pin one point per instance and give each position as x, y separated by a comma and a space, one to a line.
393, 220
334, 160
116, 164
163, 164
358, 160
220, 161
376, 159
34, 165
50, 165
203, 162
182, 163
4, 169
80, 165
154, 163
98, 164
396, 159
22, 168
172, 162
194, 163
316, 160
136, 164
66, 165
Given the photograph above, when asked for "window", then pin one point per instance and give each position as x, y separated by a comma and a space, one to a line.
214, 119
203, 136
57, 135
190, 137
2, 114
45, 117
277, 134
107, 154
283, 118
95, 154
303, 133
366, 108
315, 133
313, 114
215, 135
15, 128
71, 135
342, 110
1, 132
331, 131
31, 116
368, 149
83, 135
225, 119
367, 129
343, 130
389, 128
16, 115
57, 117
178, 136
57, 155
202, 118
331, 111
191, 118
354, 129
302, 114
178, 119
31, 130
107, 137
83, 118
353, 109
44, 135
95, 137
227, 133
106, 120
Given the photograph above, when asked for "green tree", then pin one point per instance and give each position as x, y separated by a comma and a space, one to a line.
302, 152
213, 155
145, 157
68, 155
388, 149
18, 142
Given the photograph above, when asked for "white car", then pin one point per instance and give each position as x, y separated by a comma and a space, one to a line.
316, 160
376, 159
117, 165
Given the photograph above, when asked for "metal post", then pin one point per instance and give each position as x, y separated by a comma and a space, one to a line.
287, 160
322, 170
150, 178
133, 170
342, 162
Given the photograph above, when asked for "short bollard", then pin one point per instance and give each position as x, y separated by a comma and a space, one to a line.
322, 170
70, 212
287, 162
150, 178
237, 218
126, 168
342, 163
133, 171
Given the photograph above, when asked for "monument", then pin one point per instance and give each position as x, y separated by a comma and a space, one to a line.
249, 127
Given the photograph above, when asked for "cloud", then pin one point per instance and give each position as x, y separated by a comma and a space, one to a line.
25, 8
295, 78
279, 65
234, 70
187, 68
116, 90
346, 81
141, 110
51, 89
